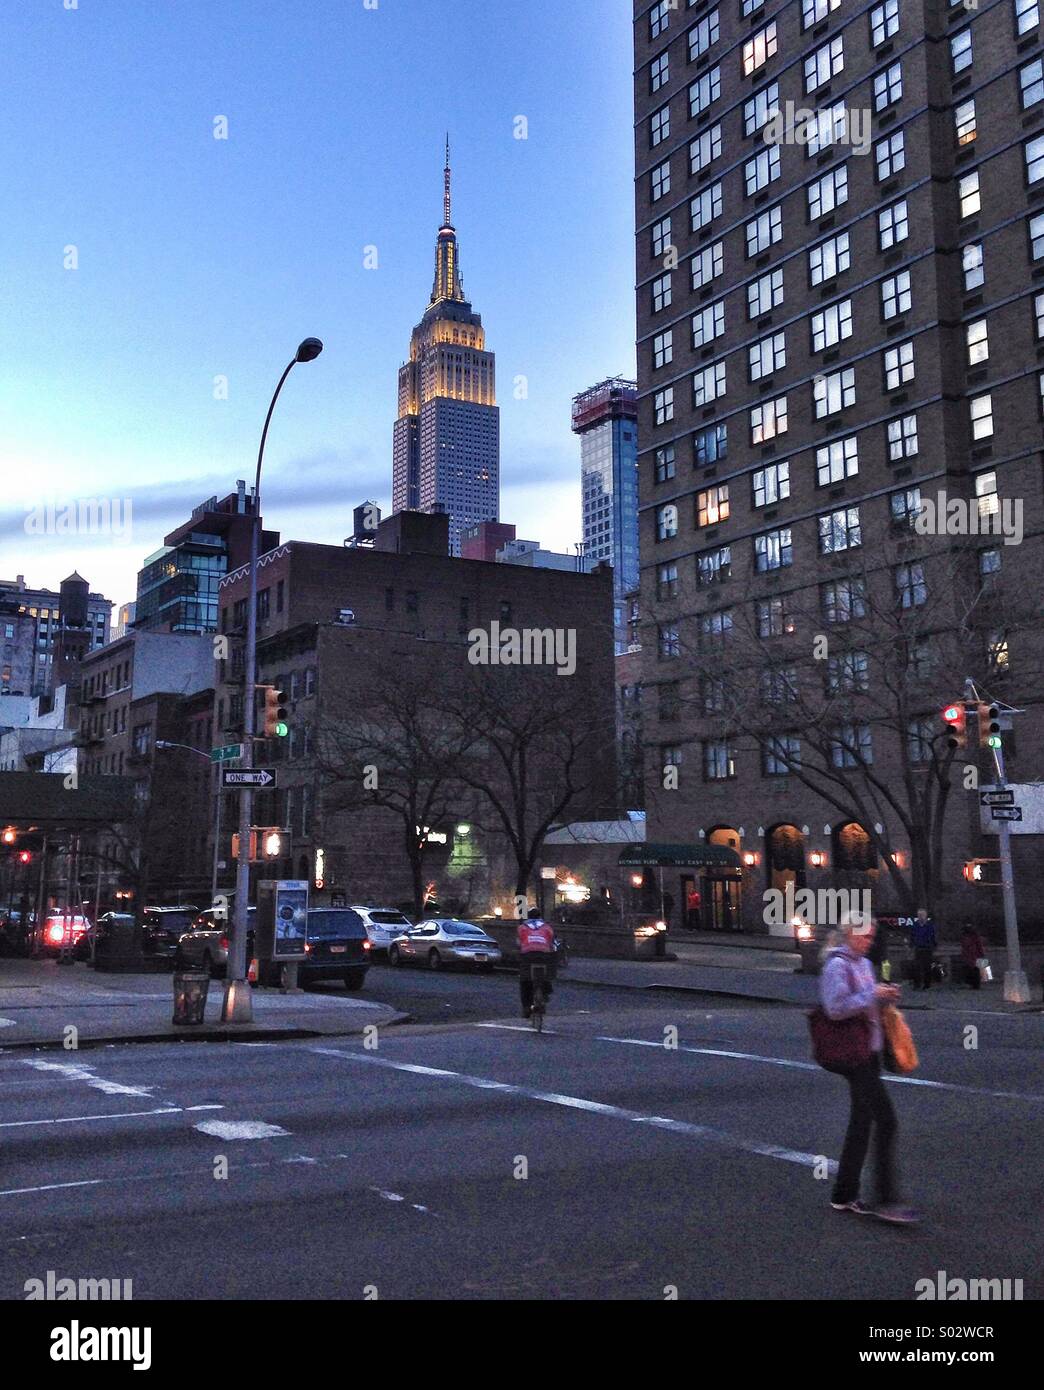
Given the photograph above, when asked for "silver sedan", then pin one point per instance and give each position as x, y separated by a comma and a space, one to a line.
439, 941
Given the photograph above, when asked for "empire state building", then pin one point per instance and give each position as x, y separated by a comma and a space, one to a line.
446, 441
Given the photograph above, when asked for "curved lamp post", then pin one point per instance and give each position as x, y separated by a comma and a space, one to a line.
237, 1006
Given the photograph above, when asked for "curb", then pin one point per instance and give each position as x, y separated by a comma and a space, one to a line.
689, 989
216, 1034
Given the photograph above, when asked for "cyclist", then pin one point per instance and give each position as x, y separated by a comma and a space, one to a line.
536, 945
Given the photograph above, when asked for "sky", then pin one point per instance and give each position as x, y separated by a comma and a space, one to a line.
156, 280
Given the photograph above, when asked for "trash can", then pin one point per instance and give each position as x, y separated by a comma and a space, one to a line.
190, 996
809, 952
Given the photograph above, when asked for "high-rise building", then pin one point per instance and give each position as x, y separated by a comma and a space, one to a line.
606, 419
840, 310
31, 621
446, 440
177, 585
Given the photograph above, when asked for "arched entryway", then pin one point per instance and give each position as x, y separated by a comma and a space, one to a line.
854, 856
718, 906
785, 857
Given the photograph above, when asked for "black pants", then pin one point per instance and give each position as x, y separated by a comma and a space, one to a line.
973, 976
525, 976
922, 967
871, 1111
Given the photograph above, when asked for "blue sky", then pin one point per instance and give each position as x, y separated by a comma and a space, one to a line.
199, 258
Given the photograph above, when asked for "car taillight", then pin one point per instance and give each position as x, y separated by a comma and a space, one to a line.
367, 945
308, 947
223, 943
55, 933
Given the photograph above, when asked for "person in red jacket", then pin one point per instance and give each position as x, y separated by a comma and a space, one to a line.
536, 943
972, 951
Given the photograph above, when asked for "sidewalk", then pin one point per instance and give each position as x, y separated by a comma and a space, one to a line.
766, 977
40, 999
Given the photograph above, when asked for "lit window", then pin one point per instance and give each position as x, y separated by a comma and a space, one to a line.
961, 50
980, 409
971, 264
968, 194
986, 493
758, 49
768, 420
978, 342
712, 505
964, 122
839, 530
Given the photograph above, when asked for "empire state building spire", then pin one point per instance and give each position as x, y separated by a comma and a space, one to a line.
447, 220
448, 284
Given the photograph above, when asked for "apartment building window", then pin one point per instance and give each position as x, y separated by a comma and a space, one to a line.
833, 392
703, 34
768, 420
668, 702
893, 225
667, 581
978, 340
778, 685
141, 739
831, 325
830, 124
758, 49
1031, 83
1035, 160
661, 293
964, 122
705, 207
971, 265
760, 108
714, 566
704, 91
986, 494
666, 521
710, 445
659, 72
1027, 15
661, 235
905, 506
848, 673
762, 170
668, 644
896, 297
765, 294
890, 155
715, 628
764, 231
708, 324
989, 562
843, 600
704, 149
852, 746
707, 265
712, 694
884, 22
920, 735
659, 18
773, 550
712, 505
749, 7
911, 589
980, 409
773, 617
839, 530
1038, 315
998, 653
779, 754
824, 63
888, 87
828, 193
898, 364
968, 199
812, 11
660, 181
663, 349
901, 437
659, 126
961, 50
837, 461
828, 259
664, 463
767, 356
719, 760
708, 384
770, 484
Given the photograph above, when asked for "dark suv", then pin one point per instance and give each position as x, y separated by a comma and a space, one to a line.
337, 946
162, 929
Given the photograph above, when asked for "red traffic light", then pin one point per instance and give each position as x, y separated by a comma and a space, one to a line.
956, 717
25, 856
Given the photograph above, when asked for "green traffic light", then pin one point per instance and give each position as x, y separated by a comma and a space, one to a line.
282, 730
994, 740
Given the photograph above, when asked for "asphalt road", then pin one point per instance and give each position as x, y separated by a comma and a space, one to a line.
465, 1157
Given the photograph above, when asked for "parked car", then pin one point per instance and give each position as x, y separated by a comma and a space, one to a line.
205, 944
62, 931
88, 942
439, 941
162, 929
336, 944
383, 925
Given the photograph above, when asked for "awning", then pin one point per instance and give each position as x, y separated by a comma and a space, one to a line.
679, 857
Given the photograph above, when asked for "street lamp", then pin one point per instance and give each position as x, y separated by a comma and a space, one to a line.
237, 1006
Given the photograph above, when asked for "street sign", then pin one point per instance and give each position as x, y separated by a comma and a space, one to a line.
1005, 812
226, 754
248, 777
998, 798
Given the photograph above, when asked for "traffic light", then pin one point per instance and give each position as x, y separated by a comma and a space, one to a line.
25, 856
955, 718
276, 712
10, 836
989, 726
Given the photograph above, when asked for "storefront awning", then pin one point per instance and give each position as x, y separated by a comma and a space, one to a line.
679, 857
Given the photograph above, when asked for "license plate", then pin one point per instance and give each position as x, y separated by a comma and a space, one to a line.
335, 950
479, 956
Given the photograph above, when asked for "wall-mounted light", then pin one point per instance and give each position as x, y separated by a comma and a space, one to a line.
750, 858
898, 859
637, 880
817, 859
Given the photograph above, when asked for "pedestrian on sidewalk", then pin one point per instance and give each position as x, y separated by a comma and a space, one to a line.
923, 939
972, 951
848, 989
877, 955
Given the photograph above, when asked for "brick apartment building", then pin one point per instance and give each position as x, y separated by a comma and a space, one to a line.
837, 318
333, 625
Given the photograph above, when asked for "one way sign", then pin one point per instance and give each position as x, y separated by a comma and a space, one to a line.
251, 777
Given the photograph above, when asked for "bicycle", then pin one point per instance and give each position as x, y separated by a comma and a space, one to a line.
538, 976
